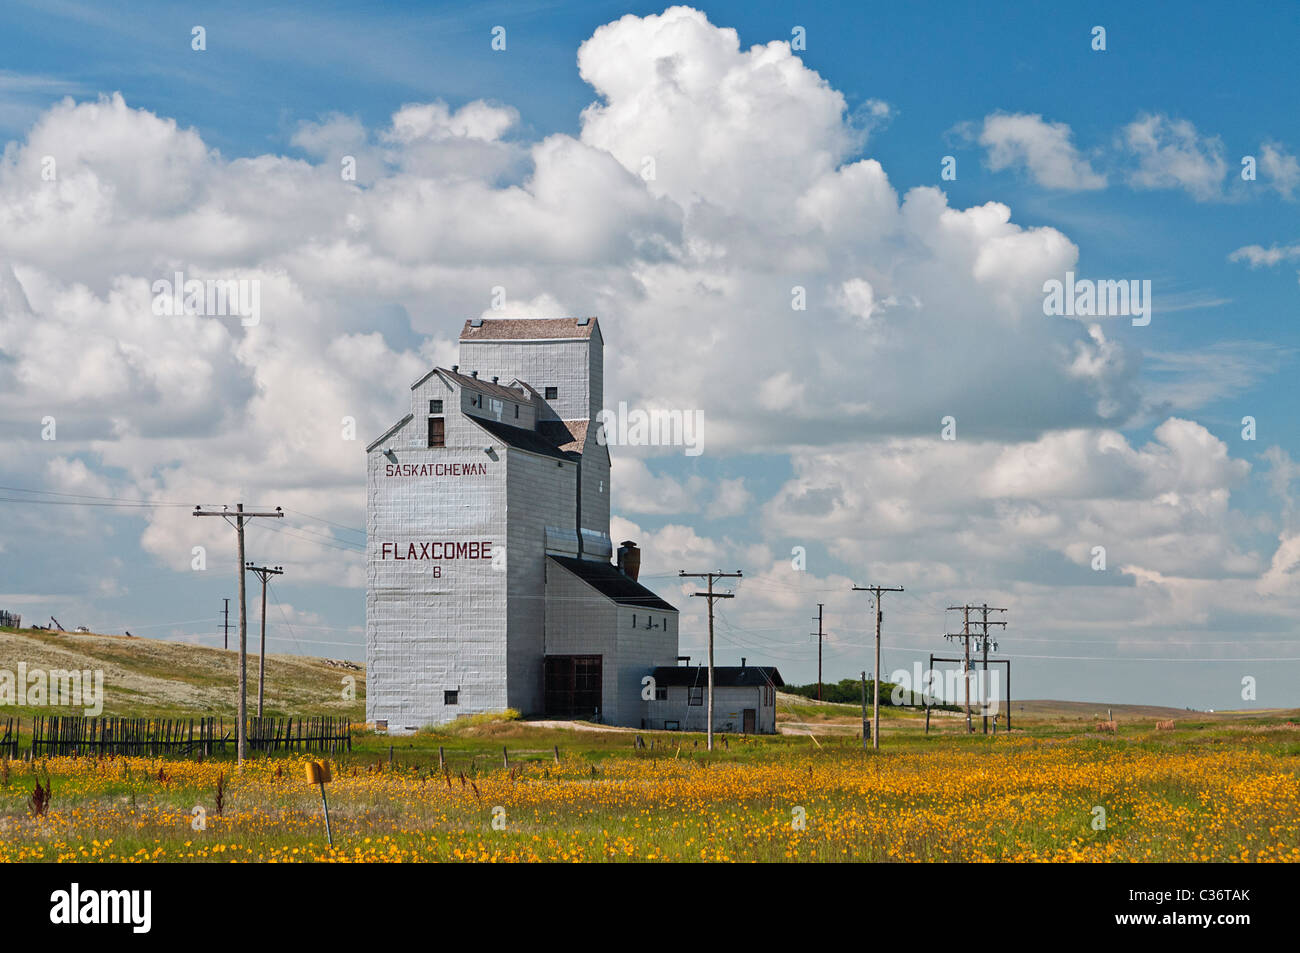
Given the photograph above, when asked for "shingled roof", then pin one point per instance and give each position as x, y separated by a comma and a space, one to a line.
476, 383
533, 441
527, 329
611, 583
566, 434
724, 676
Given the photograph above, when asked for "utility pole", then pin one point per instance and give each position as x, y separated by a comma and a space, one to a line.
965, 665
819, 650
263, 573
965, 636
711, 595
875, 705
225, 626
240, 517
984, 646
866, 726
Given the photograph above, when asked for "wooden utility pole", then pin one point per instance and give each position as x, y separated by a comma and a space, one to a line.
984, 646
965, 635
996, 661
239, 516
866, 726
711, 595
225, 626
875, 705
819, 650
263, 573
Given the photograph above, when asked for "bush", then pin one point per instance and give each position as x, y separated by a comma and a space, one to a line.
845, 691
472, 721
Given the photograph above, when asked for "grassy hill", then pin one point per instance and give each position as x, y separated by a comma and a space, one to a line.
799, 715
154, 678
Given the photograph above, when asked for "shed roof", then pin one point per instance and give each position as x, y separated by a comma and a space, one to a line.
611, 583
534, 441
726, 676
527, 329
566, 434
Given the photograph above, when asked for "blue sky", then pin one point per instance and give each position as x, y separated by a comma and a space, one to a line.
904, 87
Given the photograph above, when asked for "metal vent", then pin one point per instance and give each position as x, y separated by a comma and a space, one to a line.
583, 322
476, 323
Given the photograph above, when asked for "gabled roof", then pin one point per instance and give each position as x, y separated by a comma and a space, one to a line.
726, 676
528, 329
614, 585
476, 383
522, 439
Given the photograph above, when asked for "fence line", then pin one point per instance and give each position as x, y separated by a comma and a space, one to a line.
76, 735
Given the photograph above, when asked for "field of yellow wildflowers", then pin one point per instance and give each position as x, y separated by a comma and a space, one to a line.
1058, 799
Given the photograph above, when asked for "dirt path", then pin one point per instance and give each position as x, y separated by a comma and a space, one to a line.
579, 726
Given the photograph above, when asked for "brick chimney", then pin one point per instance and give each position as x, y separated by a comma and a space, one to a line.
629, 559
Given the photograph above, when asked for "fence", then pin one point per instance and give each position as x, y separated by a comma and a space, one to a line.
9, 737
10, 620
75, 735
327, 735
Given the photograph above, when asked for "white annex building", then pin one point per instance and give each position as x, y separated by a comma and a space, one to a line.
489, 576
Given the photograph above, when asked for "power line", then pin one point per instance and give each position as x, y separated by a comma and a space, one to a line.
86, 496
341, 545
321, 519
122, 505
289, 625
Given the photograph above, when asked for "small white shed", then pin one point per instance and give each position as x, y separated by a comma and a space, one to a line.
744, 699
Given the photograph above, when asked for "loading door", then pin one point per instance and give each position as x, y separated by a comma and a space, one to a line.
573, 687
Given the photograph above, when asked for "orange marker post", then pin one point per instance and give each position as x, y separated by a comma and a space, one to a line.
318, 772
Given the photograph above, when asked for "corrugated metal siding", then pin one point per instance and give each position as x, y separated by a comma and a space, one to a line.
541, 492
480, 630
425, 634
575, 368
595, 490
639, 650
581, 622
